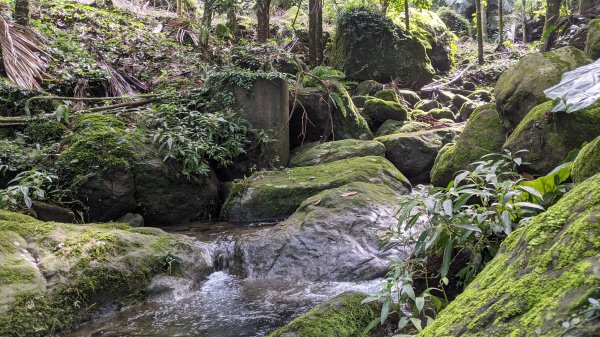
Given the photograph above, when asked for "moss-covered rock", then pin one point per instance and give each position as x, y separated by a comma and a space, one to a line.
441, 113
54, 276
342, 316
592, 43
455, 22
587, 163
317, 118
542, 276
274, 195
339, 230
522, 87
549, 136
358, 50
428, 104
391, 127
378, 111
414, 153
321, 153
439, 41
483, 134
409, 97
368, 88
387, 95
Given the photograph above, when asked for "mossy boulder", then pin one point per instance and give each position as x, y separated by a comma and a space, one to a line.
408, 97
333, 236
455, 22
441, 113
341, 316
53, 276
274, 195
358, 51
439, 41
522, 87
321, 153
391, 127
428, 104
542, 276
587, 163
414, 153
368, 88
484, 133
317, 118
549, 136
378, 111
592, 43
387, 95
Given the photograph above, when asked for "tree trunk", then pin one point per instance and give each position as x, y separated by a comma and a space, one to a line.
479, 32
500, 23
179, 8
22, 12
384, 6
524, 23
315, 32
232, 20
406, 15
206, 22
552, 15
484, 21
262, 18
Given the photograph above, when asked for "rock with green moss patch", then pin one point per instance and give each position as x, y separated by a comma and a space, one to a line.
427, 105
358, 51
54, 276
549, 136
379, 111
43, 132
414, 153
587, 163
592, 43
387, 95
321, 153
333, 235
317, 118
484, 133
542, 276
274, 195
409, 97
391, 126
368, 88
440, 113
455, 22
522, 87
341, 316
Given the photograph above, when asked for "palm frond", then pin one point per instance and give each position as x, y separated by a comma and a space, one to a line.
22, 55
121, 84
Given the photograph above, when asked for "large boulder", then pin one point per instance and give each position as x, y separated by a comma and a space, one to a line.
522, 87
439, 41
414, 153
316, 118
542, 276
587, 163
483, 134
274, 195
341, 316
391, 126
378, 111
549, 136
54, 276
367, 45
592, 43
166, 199
321, 153
334, 235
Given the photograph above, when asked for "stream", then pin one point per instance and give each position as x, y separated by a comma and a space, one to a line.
223, 305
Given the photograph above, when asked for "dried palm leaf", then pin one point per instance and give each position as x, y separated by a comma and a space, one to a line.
121, 84
22, 54
80, 92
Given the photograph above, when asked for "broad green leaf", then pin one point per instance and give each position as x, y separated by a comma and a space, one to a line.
385, 310
467, 226
447, 258
408, 290
420, 303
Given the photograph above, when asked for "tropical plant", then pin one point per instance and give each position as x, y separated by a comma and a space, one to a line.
26, 187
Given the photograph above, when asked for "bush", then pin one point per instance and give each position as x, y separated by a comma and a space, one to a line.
455, 22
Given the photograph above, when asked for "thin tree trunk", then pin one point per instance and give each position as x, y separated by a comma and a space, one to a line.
524, 23
406, 15
262, 18
22, 10
385, 4
484, 20
479, 32
232, 20
500, 23
206, 22
315, 32
179, 8
552, 15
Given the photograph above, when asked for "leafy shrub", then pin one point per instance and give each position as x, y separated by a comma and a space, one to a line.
26, 187
455, 22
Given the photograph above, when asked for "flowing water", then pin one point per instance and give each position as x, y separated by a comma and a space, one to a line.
223, 305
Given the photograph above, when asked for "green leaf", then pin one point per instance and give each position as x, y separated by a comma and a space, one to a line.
467, 226
385, 310
417, 323
420, 303
408, 290
447, 258
447, 205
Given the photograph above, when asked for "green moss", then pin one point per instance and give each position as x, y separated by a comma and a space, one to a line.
387, 95
275, 194
483, 134
592, 43
441, 113
587, 163
99, 143
391, 126
321, 153
342, 316
550, 136
541, 276
44, 131
379, 110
